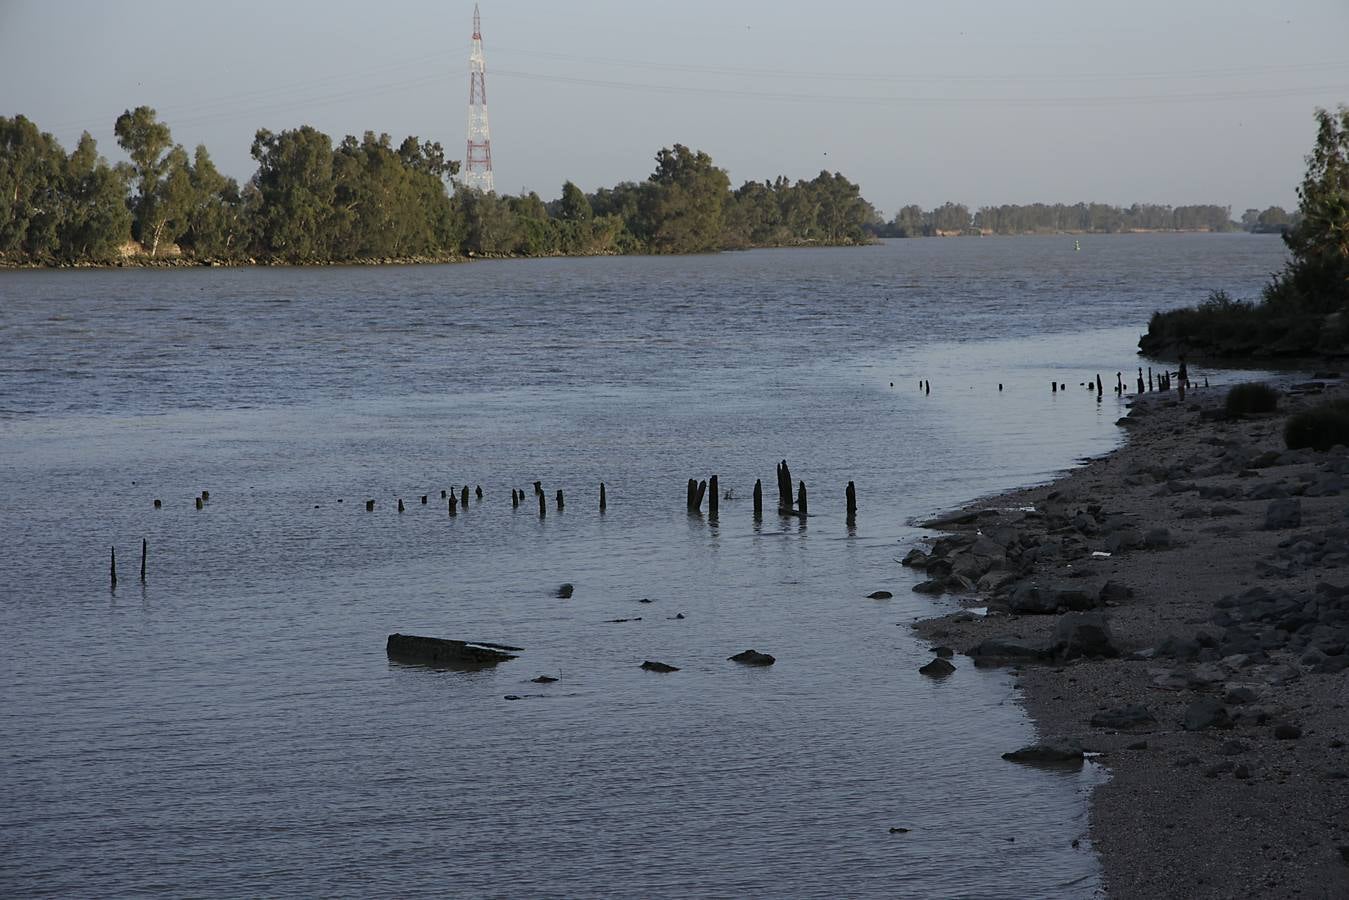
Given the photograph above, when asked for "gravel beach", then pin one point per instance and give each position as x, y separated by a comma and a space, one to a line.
1181, 608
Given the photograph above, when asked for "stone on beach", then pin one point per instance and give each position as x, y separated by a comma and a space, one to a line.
653, 666
938, 668
753, 658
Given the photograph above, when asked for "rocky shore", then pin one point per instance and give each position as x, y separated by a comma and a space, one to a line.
1181, 608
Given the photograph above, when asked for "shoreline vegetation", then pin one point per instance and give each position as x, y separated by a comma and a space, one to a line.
367, 201
1304, 310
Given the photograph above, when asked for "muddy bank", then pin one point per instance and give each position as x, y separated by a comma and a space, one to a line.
1181, 607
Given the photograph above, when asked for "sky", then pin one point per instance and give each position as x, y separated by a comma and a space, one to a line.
982, 103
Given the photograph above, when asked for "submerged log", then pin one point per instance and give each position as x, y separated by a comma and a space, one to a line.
446, 652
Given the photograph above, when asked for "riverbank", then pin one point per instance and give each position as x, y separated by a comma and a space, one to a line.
1216, 696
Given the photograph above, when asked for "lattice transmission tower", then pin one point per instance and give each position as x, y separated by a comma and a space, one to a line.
478, 159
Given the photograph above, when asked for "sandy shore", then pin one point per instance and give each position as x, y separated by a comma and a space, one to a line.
1225, 592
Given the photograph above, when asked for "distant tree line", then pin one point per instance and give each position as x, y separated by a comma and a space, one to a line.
1048, 218
312, 200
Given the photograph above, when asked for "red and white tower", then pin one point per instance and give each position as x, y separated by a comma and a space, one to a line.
478, 160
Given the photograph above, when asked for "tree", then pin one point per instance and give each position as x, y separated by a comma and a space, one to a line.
680, 206
294, 216
214, 223
147, 141
573, 206
1317, 278
32, 164
95, 220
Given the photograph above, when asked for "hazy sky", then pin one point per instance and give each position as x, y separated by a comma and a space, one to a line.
1182, 101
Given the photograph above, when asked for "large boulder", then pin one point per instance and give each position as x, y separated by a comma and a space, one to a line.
753, 658
1086, 634
1124, 718
998, 650
1048, 753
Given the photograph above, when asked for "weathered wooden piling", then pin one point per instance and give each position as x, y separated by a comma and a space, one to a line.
198, 503
538, 488
543, 505
463, 497
113, 567
801, 499
424, 499
369, 506
560, 502
784, 487
693, 492
927, 388
1000, 385
400, 504
515, 499
603, 501
206, 496
1053, 387
145, 546
442, 493
758, 498
451, 505
478, 491
1099, 389
851, 495
1150, 384
698, 496
1140, 379
158, 503
1119, 382
712, 496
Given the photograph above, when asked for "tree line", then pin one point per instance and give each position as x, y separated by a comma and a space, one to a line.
1049, 218
312, 200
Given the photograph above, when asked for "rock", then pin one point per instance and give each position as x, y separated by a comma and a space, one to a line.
1157, 538
1286, 732
1221, 768
1206, 713
543, 679
879, 595
1233, 748
944, 652
915, 559
1286, 513
1027, 598
753, 658
652, 666
1083, 635
1051, 752
1137, 745
1114, 592
446, 652
565, 591
1006, 649
1242, 771
938, 668
1240, 696
931, 586
1123, 718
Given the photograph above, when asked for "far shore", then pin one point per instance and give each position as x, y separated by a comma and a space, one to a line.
183, 261
1219, 562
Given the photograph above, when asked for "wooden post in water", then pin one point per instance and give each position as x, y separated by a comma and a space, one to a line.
158, 503
479, 492
206, 496
1054, 387
693, 493
369, 506
538, 488
145, 546
1150, 385
515, 499
1119, 383
452, 504
400, 504
424, 499
442, 493
712, 497
463, 497
698, 496
603, 501
1099, 389
113, 568
560, 503
758, 498
851, 495
785, 487
198, 503
1140, 379
927, 388
543, 506
801, 500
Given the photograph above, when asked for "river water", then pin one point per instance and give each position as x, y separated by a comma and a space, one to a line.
233, 726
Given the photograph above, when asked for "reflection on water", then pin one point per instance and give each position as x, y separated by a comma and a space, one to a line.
235, 725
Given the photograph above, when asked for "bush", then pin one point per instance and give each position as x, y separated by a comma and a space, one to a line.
1252, 397
1320, 427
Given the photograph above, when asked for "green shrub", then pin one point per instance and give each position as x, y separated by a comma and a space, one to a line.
1320, 427
1252, 397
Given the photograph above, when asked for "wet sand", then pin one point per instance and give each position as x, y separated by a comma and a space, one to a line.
1222, 714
